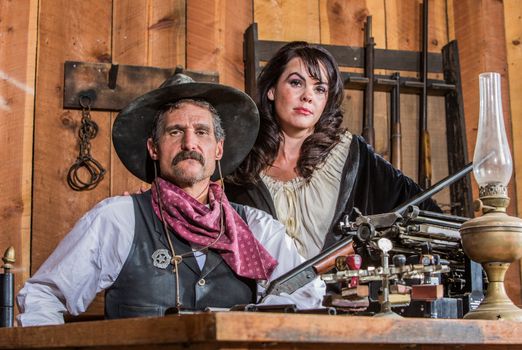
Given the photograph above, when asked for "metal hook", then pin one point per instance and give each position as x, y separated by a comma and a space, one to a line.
85, 101
113, 76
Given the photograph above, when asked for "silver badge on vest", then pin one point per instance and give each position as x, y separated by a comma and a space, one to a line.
161, 258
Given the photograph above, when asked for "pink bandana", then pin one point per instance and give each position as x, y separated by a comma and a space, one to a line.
200, 224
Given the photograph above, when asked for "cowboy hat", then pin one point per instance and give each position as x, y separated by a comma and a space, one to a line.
132, 127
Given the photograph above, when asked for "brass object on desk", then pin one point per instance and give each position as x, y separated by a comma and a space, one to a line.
9, 258
495, 241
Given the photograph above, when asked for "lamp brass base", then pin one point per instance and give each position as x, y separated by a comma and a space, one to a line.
495, 241
496, 305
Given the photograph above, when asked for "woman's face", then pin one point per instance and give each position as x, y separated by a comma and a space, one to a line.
299, 99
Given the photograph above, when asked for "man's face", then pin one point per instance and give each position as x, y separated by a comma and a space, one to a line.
187, 148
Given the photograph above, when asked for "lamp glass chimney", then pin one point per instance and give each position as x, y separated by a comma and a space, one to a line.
492, 163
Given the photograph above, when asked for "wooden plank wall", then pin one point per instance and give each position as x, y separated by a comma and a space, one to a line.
205, 35
17, 80
513, 25
215, 37
68, 30
480, 31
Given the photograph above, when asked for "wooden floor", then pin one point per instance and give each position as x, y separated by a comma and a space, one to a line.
268, 330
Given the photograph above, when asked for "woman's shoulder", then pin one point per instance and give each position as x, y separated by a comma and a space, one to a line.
337, 156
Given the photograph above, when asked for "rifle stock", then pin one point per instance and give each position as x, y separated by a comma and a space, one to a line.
308, 270
328, 262
425, 159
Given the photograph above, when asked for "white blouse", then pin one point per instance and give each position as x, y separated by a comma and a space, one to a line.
306, 208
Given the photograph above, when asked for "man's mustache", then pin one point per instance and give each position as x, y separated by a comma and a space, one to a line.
183, 155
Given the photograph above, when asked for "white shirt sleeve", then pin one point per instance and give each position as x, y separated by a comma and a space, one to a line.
272, 235
86, 261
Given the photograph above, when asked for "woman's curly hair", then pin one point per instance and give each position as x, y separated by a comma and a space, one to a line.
327, 131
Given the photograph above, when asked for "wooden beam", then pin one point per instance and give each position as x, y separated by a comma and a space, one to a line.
215, 37
479, 29
17, 81
513, 25
288, 20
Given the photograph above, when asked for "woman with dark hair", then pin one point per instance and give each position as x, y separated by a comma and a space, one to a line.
305, 169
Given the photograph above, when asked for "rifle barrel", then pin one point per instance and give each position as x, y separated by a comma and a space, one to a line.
424, 139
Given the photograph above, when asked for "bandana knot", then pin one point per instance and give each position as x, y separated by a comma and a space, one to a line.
201, 224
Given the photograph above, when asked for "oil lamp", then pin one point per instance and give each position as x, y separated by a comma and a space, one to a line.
495, 238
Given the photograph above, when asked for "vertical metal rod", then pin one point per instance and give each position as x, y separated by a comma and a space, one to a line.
386, 305
7, 303
7, 290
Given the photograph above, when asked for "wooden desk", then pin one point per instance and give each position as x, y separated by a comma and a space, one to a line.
267, 330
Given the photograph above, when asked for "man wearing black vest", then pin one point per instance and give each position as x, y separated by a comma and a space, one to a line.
181, 245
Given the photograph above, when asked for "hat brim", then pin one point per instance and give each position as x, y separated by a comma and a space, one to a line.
132, 126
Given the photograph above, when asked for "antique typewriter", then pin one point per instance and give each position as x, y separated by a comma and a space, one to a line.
408, 261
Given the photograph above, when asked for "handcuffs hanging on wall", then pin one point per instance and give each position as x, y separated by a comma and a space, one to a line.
85, 162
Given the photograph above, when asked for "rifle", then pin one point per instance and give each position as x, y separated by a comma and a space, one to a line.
307, 271
325, 261
368, 131
424, 137
395, 109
